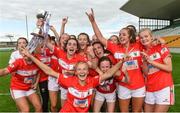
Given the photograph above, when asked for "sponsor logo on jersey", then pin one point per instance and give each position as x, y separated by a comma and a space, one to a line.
27, 73
80, 94
155, 56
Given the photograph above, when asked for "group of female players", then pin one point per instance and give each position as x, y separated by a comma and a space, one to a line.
133, 68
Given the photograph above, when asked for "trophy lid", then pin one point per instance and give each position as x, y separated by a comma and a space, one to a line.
41, 14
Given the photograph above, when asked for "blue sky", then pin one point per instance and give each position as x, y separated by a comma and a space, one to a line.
107, 13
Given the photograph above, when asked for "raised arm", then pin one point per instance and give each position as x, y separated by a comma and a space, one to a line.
47, 70
52, 28
64, 21
96, 28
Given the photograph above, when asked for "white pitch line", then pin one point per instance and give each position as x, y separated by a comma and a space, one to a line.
1, 94
177, 85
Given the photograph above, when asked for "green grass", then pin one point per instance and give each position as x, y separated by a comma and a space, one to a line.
7, 104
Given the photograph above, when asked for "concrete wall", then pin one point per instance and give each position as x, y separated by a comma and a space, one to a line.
175, 50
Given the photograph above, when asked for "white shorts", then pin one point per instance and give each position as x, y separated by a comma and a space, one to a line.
164, 96
52, 84
109, 97
21, 93
125, 93
63, 93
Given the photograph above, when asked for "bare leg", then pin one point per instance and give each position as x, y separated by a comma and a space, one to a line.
34, 99
53, 100
161, 108
97, 105
62, 102
22, 104
110, 106
137, 104
149, 107
124, 105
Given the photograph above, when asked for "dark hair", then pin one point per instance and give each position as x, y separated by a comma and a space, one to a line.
53, 38
131, 33
74, 36
86, 36
23, 39
78, 47
99, 44
132, 27
104, 58
115, 36
20, 39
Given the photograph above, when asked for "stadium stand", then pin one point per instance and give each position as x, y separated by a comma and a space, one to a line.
158, 10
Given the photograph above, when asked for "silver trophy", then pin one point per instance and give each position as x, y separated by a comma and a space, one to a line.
41, 31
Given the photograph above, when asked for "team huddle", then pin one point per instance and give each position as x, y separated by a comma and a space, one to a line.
131, 69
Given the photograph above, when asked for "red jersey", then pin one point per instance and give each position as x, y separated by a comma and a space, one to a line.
44, 57
111, 57
78, 97
54, 63
46, 60
64, 62
107, 86
133, 65
158, 79
24, 76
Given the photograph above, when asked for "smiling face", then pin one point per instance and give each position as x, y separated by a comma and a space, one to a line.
83, 41
82, 71
145, 37
114, 39
63, 40
104, 66
71, 47
98, 50
124, 37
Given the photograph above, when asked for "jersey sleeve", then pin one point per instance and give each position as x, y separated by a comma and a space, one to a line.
13, 66
96, 81
164, 51
111, 46
56, 51
64, 81
11, 59
120, 77
48, 52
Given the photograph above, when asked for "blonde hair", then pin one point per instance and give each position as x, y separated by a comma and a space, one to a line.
145, 29
81, 62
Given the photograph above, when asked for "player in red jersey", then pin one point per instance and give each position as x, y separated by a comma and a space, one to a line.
22, 83
53, 86
114, 39
80, 87
106, 91
84, 42
21, 42
158, 70
44, 57
135, 89
67, 61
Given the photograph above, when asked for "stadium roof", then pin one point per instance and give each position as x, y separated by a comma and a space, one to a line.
157, 9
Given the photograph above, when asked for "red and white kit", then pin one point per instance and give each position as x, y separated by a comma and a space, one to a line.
79, 97
132, 65
23, 78
159, 83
